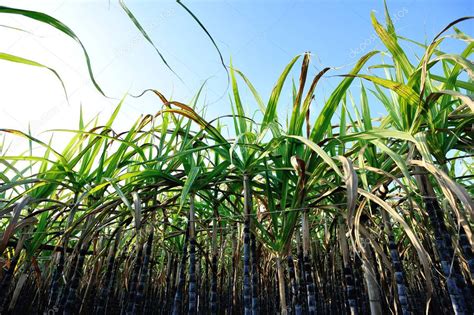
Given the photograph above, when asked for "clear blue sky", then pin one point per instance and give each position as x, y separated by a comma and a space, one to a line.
260, 36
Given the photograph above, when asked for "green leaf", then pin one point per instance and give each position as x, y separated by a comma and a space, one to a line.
188, 185
17, 59
316, 148
144, 33
324, 119
390, 41
401, 89
270, 114
45, 18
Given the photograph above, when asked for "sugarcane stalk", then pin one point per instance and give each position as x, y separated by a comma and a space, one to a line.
348, 277
178, 298
106, 289
281, 287
170, 272
55, 278
233, 296
213, 298
254, 261
443, 244
301, 278
308, 277
247, 287
92, 278
192, 294
370, 280
137, 305
132, 289
69, 306
295, 296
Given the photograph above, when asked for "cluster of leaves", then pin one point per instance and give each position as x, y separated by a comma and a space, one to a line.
360, 178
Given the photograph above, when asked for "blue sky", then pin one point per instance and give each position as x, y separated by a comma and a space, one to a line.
260, 36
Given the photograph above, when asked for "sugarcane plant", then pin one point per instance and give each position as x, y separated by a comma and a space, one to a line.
333, 212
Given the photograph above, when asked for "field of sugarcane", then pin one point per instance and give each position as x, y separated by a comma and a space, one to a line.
347, 213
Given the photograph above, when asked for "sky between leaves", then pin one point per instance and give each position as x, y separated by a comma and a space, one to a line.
260, 36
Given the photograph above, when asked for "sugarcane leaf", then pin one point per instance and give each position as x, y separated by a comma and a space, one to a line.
188, 185
45, 18
270, 114
465, 99
324, 119
390, 41
351, 179
401, 89
319, 151
252, 89
195, 18
144, 33
18, 59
